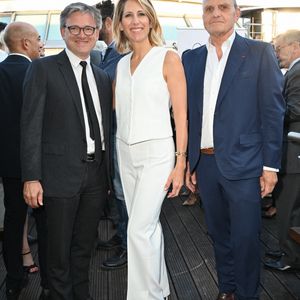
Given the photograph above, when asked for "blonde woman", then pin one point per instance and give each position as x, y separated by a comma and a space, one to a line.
149, 79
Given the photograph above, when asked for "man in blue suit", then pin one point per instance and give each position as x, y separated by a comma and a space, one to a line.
236, 115
108, 64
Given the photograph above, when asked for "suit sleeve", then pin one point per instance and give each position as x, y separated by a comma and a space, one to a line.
34, 100
292, 96
272, 107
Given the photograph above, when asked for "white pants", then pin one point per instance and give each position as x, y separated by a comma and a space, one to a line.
144, 169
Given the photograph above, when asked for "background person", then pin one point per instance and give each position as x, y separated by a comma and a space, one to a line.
146, 80
287, 191
65, 130
109, 61
3, 49
235, 133
23, 42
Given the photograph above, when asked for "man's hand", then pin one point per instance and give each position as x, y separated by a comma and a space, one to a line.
33, 193
268, 181
190, 179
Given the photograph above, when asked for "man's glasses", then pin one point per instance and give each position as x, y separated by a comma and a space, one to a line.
76, 30
279, 48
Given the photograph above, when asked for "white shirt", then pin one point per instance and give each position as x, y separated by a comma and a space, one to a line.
77, 68
142, 99
214, 71
3, 55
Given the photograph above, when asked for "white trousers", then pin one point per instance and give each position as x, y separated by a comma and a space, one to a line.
144, 169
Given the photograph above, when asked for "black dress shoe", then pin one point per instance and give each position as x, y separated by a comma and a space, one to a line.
45, 294
278, 265
116, 262
114, 242
13, 294
225, 296
274, 253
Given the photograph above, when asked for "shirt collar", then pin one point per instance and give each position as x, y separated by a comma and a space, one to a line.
293, 63
21, 54
75, 60
226, 45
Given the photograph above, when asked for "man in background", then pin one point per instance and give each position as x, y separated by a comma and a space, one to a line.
23, 42
287, 190
109, 61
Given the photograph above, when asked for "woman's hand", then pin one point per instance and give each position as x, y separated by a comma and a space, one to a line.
176, 178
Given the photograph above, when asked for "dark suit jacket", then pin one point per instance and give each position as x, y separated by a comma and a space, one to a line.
249, 112
291, 93
110, 61
12, 73
53, 141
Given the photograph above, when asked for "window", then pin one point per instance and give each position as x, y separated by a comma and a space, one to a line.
38, 21
169, 26
5, 18
54, 29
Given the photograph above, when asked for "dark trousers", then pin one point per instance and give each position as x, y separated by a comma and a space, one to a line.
119, 198
39, 215
232, 213
72, 229
14, 219
287, 195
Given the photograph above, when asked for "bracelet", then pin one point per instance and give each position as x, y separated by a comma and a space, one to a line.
178, 153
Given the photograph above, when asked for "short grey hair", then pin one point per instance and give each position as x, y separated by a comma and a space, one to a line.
290, 36
234, 3
83, 8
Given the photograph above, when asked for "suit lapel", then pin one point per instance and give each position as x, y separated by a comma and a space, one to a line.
287, 76
236, 57
103, 104
70, 80
198, 71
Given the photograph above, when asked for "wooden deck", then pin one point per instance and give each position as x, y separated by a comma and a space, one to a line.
189, 257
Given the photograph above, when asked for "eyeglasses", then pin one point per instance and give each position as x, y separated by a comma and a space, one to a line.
279, 48
76, 30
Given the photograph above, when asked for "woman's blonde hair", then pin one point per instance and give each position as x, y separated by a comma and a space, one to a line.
155, 34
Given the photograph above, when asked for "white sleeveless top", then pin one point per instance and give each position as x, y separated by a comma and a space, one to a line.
142, 99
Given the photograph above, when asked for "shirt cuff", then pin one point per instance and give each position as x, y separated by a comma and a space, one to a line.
270, 169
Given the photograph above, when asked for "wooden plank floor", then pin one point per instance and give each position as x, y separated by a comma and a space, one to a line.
189, 257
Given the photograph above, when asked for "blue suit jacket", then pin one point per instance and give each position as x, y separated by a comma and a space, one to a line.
110, 61
249, 112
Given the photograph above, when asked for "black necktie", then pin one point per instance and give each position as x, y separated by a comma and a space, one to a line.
90, 109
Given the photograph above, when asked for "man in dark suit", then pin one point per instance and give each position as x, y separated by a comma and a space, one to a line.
23, 42
65, 142
287, 191
109, 63
236, 114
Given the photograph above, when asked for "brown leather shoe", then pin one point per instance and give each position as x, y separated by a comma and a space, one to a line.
225, 296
